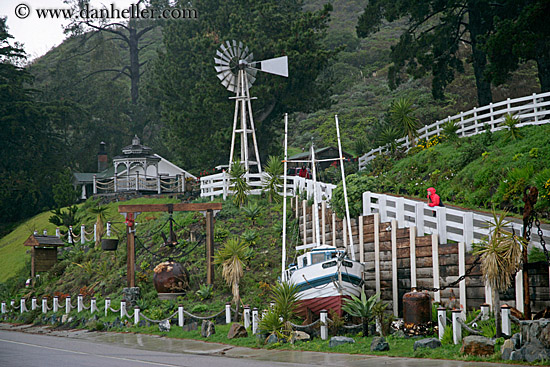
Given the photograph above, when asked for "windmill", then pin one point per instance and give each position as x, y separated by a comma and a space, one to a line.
237, 72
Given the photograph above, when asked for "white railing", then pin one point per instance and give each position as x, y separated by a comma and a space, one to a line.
448, 223
530, 110
220, 185
160, 184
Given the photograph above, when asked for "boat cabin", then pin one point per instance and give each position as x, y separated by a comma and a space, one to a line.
315, 256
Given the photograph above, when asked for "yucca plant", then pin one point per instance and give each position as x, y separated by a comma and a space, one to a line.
271, 323
363, 308
449, 130
286, 298
273, 183
204, 292
99, 211
252, 211
388, 137
512, 132
232, 257
402, 115
240, 186
501, 258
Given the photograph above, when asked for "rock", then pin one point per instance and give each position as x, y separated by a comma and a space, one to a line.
64, 318
339, 340
191, 326
53, 320
427, 343
516, 340
272, 339
237, 331
379, 344
142, 323
477, 346
532, 352
536, 331
261, 337
164, 325
507, 349
207, 328
299, 336
117, 323
131, 296
400, 334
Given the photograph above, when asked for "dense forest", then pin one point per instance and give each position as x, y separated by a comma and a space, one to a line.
156, 79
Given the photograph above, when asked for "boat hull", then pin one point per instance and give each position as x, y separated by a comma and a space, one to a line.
315, 305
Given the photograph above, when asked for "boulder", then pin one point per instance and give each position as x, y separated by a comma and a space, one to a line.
191, 326
531, 352
536, 331
477, 346
299, 336
516, 340
507, 349
379, 344
164, 325
339, 340
237, 331
271, 339
207, 328
427, 343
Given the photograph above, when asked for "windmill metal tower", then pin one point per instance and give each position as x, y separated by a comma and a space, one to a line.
237, 72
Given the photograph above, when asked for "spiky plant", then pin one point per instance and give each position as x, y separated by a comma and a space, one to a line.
402, 115
240, 186
273, 182
388, 137
512, 132
449, 130
232, 257
363, 308
100, 212
501, 258
252, 211
286, 298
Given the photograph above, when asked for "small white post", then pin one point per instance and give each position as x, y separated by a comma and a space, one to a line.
228, 313
442, 223
4, 308
441, 321
323, 222
79, 303
304, 216
122, 309
395, 290
22, 305
55, 304
136, 315
95, 184
57, 232
108, 230
68, 304
457, 327
435, 267
33, 304
484, 312
334, 229
361, 240
254, 320
345, 233
377, 251
82, 234
506, 321
462, 270
95, 232
412, 255
324, 324
519, 291
93, 306
45, 232
246, 317
181, 317
70, 235
489, 295
367, 203
107, 305
44, 304
158, 184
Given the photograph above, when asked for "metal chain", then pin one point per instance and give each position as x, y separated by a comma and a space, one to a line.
453, 284
542, 242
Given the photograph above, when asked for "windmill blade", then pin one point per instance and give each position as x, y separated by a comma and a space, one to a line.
251, 72
223, 56
220, 69
249, 58
221, 62
229, 49
224, 75
277, 66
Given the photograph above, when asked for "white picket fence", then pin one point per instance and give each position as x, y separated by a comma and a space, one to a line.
220, 185
529, 110
449, 224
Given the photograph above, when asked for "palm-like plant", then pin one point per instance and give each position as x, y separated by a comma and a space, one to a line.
232, 257
510, 123
241, 189
389, 137
363, 308
449, 130
501, 258
286, 298
252, 211
402, 115
273, 182
99, 211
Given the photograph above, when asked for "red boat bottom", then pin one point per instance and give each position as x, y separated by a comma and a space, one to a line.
315, 305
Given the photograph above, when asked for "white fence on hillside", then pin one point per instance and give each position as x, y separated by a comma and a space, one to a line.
220, 185
530, 110
449, 224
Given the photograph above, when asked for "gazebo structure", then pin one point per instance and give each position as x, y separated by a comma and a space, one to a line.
43, 252
137, 169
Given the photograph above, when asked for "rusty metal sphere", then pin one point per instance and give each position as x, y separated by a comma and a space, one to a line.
170, 277
417, 308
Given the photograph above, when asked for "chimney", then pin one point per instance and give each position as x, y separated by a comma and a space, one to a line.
102, 158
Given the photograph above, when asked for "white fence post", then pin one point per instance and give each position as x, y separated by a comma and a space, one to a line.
324, 324
419, 218
55, 304
93, 306
246, 317
382, 208
441, 223
506, 321
122, 309
435, 267
457, 327
57, 232
400, 211
412, 244
367, 203
304, 216
79, 303
519, 291
489, 296
395, 290
3, 309
462, 270
95, 185
45, 305
441, 321
95, 232
68, 304
82, 234
323, 222
33, 304
228, 313
22, 306
484, 311
107, 305
136, 315
254, 320
361, 240
181, 319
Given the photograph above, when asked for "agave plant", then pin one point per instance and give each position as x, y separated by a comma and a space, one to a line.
363, 308
512, 132
241, 188
204, 292
389, 137
252, 211
273, 182
286, 298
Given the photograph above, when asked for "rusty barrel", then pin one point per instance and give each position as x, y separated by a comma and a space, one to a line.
417, 308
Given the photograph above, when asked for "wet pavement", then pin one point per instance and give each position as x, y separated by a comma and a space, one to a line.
156, 343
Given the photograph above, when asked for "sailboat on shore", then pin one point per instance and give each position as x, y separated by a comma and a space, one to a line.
326, 275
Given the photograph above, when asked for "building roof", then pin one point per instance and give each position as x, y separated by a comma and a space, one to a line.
305, 155
46, 241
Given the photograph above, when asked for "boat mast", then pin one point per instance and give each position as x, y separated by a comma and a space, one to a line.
315, 208
345, 189
283, 276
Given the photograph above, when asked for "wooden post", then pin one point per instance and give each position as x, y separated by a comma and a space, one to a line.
209, 246
130, 248
462, 270
304, 216
323, 222
435, 267
412, 244
377, 251
361, 241
334, 229
520, 305
441, 321
506, 321
395, 291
